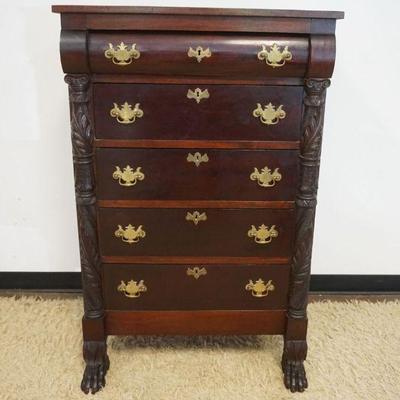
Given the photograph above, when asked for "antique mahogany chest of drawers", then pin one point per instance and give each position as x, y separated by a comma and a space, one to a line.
196, 137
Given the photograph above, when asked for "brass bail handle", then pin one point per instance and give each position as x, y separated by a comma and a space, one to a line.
132, 289
122, 55
128, 176
260, 288
126, 113
262, 234
130, 234
269, 114
274, 56
266, 178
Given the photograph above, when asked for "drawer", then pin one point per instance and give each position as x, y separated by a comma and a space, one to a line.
204, 287
203, 232
225, 112
185, 54
176, 174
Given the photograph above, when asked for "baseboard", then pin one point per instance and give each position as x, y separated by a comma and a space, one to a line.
71, 281
41, 281
355, 283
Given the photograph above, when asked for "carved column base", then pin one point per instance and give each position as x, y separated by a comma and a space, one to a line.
294, 354
97, 364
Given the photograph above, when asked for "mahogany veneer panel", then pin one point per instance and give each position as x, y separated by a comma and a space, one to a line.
168, 233
169, 176
233, 56
196, 144
82, 9
170, 288
168, 114
218, 322
272, 204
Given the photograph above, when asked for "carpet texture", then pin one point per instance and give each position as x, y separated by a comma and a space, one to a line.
354, 353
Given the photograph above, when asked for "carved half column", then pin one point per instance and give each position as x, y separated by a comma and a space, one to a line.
310, 152
82, 147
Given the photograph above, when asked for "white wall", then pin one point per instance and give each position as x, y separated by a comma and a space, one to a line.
357, 227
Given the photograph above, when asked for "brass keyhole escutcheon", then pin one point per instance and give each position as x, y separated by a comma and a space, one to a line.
196, 217
198, 94
196, 272
197, 158
199, 53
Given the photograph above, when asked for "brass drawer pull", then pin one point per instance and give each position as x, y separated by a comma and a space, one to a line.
259, 288
128, 177
269, 115
196, 217
130, 234
125, 114
198, 94
274, 57
263, 235
132, 289
197, 158
196, 272
266, 178
199, 53
122, 55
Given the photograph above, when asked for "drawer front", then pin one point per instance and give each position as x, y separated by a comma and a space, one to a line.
176, 174
204, 287
203, 232
224, 112
232, 56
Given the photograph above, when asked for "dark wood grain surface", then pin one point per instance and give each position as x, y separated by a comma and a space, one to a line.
196, 11
234, 260
273, 204
197, 144
197, 80
226, 115
170, 288
215, 322
169, 176
168, 233
233, 56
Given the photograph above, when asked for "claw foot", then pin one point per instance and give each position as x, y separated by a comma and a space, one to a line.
294, 354
295, 376
97, 364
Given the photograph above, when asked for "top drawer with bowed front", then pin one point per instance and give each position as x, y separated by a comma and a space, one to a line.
226, 56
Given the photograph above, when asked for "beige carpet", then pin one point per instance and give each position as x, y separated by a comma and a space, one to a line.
354, 353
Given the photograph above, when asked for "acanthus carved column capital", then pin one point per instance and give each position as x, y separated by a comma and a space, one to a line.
77, 82
313, 120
